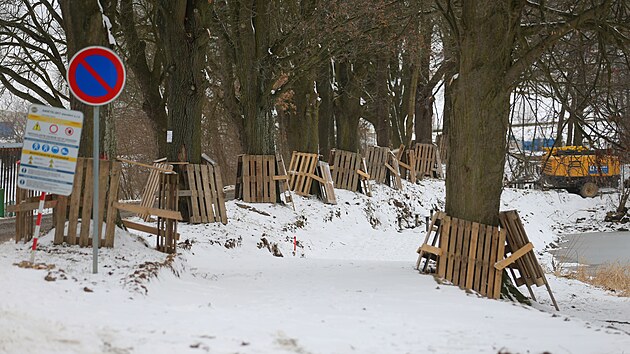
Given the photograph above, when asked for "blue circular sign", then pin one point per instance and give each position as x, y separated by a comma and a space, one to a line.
96, 76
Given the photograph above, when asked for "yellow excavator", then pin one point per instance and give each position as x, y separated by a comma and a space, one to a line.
579, 169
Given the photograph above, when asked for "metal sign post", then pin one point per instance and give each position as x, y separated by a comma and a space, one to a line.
96, 76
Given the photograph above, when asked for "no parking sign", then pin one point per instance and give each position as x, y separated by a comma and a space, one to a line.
96, 76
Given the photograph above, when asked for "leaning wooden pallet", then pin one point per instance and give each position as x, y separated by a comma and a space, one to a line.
376, 159
301, 172
522, 258
150, 188
348, 171
427, 161
468, 254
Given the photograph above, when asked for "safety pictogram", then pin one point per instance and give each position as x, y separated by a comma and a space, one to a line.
69, 131
37, 127
54, 128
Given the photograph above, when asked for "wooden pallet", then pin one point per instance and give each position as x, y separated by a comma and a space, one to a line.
203, 193
254, 178
394, 178
301, 172
521, 255
151, 187
27, 201
349, 171
405, 167
427, 161
376, 159
468, 253
166, 212
326, 184
78, 205
283, 182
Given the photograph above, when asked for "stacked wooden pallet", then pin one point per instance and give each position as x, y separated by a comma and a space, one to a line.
151, 187
306, 168
262, 179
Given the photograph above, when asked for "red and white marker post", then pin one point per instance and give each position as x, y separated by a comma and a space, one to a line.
38, 225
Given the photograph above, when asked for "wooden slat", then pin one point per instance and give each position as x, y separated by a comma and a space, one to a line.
470, 269
220, 196
247, 183
463, 268
492, 260
75, 201
209, 193
22, 207
60, 218
477, 284
498, 273
431, 249
500, 265
87, 204
103, 179
110, 229
445, 229
486, 262
143, 228
457, 256
167, 214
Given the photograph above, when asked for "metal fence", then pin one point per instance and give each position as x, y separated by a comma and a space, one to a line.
9, 157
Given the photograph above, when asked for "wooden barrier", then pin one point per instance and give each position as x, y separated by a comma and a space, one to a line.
522, 258
326, 184
203, 193
166, 212
301, 172
152, 185
26, 202
349, 171
383, 166
405, 167
78, 205
258, 181
427, 161
467, 253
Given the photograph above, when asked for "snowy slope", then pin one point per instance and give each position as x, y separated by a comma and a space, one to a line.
350, 288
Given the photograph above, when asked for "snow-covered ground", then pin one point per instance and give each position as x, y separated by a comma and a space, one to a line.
351, 287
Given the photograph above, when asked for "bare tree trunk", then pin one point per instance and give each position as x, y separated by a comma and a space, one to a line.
303, 130
326, 115
347, 108
83, 24
423, 122
383, 130
183, 33
481, 107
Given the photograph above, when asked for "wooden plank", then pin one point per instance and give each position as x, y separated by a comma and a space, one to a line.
247, 179
87, 204
167, 214
431, 249
261, 189
238, 186
103, 179
451, 248
60, 218
494, 256
481, 239
445, 231
486, 261
463, 267
210, 193
143, 228
195, 216
75, 201
110, 228
472, 249
201, 187
457, 263
155, 167
220, 196
23, 207
498, 277
500, 265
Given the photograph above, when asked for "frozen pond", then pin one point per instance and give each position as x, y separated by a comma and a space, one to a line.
594, 248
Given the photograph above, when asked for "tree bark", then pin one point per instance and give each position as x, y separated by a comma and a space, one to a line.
184, 37
423, 122
383, 130
326, 116
83, 24
347, 108
481, 110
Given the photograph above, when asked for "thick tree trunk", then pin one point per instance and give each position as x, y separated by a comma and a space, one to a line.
303, 129
423, 113
326, 115
347, 108
481, 113
83, 24
183, 33
383, 130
